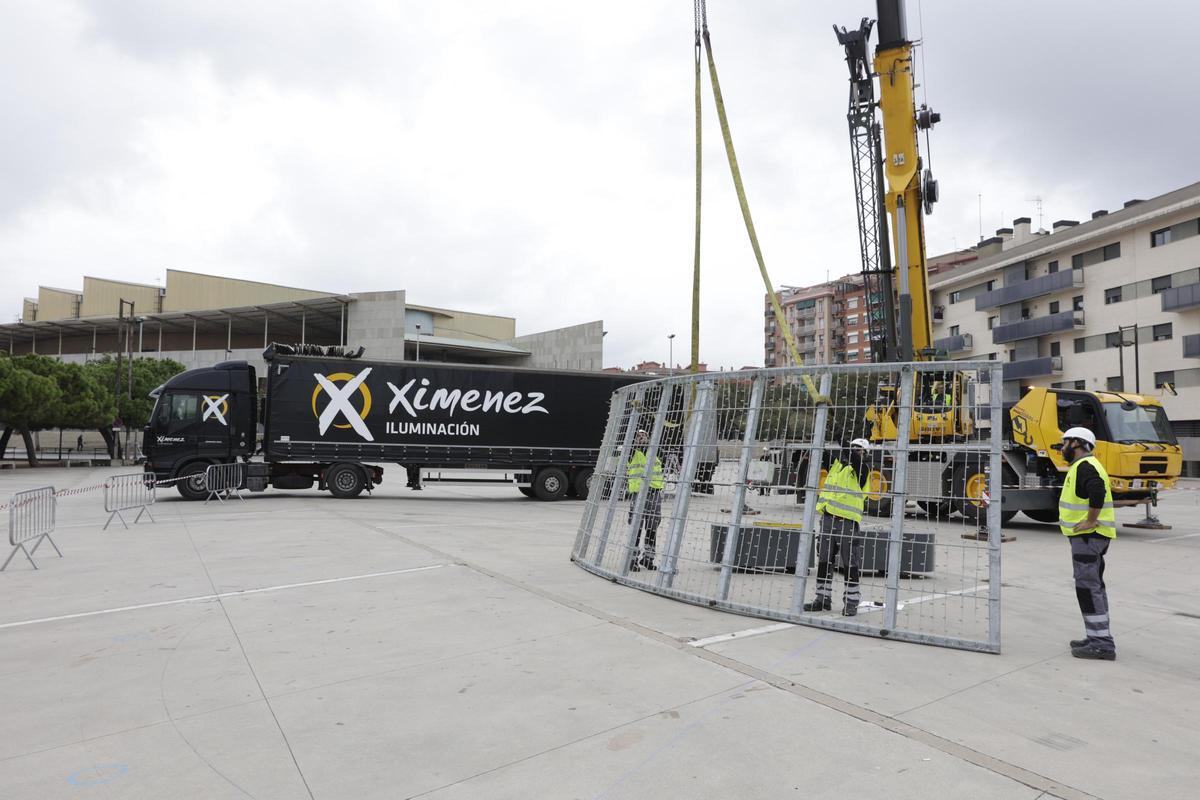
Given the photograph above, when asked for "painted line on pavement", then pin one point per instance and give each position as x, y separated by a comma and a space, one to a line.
725, 637
1172, 538
210, 597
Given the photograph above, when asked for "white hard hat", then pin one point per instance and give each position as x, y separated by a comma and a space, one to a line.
860, 442
1082, 434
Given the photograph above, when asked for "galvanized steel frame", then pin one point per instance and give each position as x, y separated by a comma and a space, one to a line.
31, 516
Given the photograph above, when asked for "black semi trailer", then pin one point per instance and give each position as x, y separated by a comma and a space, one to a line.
329, 419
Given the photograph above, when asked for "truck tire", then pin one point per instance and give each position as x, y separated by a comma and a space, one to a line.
1043, 514
345, 480
937, 511
582, 483
191, 487
878, 503
967, 484
550, 484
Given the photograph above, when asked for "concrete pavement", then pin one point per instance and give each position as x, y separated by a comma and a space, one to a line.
440, 644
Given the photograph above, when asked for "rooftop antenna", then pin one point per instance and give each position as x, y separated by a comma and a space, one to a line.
980, 196
1038, 200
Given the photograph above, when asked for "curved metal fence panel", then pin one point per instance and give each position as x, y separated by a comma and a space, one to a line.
743, 491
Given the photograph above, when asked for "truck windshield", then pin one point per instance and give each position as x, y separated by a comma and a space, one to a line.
1138, 424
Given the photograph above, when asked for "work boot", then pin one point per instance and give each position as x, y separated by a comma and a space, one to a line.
647, 560
1078, 643
820, 604
1093, 651
850, 609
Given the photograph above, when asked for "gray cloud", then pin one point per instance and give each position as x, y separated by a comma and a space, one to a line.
535, 159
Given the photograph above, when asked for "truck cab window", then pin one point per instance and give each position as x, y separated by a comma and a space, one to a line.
1077, 412
178, 411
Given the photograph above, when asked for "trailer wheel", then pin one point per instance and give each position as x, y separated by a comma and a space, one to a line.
345, 480
191, 486
550, 484
1042, 514
582, 483
937, 510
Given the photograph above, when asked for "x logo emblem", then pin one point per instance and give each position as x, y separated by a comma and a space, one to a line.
212, 408
339, 403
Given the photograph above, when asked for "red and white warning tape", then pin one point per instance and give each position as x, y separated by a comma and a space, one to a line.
80, 490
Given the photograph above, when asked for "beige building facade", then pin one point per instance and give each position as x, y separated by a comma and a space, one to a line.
1112, 303
200, 320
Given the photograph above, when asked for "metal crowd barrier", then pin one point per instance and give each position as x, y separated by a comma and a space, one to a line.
224, 480
31, 519
127, 492
723, 509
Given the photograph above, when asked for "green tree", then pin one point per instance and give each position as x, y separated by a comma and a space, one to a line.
132, 407
27, 399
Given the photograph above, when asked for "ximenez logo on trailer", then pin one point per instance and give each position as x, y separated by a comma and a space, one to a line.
423, 398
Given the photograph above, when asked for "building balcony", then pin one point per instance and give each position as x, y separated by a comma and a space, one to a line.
1180, 297
1033, 368
1038, 326
1027, 290
1191, 345
954, 344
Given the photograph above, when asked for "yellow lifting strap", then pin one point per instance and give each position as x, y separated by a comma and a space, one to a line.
702, 26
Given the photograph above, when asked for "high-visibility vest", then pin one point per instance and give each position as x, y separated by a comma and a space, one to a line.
842, 495
637, 469
1073, 509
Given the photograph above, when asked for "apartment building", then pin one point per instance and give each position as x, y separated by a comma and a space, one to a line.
1112, 303
828, 321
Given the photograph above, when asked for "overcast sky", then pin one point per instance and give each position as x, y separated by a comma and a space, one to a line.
535, 158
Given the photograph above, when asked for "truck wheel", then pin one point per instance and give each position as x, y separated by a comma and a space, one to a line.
345, 480
1043, 514
582, 483
967, 485
878, 503
191, 487
550, 484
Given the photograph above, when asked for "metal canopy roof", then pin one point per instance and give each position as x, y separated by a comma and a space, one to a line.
316, 314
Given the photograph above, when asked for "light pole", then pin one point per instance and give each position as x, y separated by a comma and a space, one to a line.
418, 342
671, 353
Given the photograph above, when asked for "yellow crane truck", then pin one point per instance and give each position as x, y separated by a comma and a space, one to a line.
894, 190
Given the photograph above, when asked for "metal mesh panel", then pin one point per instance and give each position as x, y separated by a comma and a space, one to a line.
715, 489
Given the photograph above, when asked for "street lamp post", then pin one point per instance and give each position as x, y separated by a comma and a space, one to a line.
671, 353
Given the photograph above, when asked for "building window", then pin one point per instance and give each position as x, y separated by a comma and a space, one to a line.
1080, 345
1077, 261
991, 285
992, 322
1025, 312
1160, 237
852, 355
1112, 295
852, 302
1012, 355
955, 297
1162, 332
1077, 302
1080, 385
1053, 266
1112, 251
852, 319
1112, 339
1054, 307
1055, 349
954, 330
852, 338
1115, 384
1164, 377
1160, 283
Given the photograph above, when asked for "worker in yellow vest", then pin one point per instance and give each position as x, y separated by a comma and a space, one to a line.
840, 504
1087, 517
636, 472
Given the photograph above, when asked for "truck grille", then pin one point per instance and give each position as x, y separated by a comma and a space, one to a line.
1154, 464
